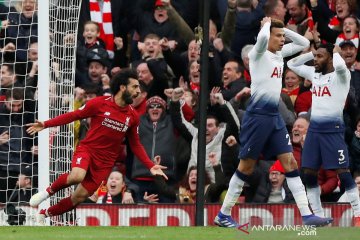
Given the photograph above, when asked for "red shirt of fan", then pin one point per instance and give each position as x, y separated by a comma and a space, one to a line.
110, 124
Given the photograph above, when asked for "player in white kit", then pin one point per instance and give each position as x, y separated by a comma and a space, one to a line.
324, 143
262, 129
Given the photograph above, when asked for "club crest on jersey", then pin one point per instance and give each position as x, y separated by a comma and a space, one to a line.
277, 72
321, 91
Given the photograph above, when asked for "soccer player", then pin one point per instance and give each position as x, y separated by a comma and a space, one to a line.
263, 130
324, 143
112, 119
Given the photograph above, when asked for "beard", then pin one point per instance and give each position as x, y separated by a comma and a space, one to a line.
128, 99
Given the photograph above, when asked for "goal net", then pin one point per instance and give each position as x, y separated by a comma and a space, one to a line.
47, 86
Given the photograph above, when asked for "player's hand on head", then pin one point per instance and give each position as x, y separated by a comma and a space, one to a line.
265, 20
35, 127
157, 170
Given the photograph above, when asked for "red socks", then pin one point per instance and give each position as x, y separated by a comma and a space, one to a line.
59, 184
61, 207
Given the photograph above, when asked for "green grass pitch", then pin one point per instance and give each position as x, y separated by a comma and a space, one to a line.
168, 233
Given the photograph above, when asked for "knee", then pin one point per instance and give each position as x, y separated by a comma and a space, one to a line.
246, 166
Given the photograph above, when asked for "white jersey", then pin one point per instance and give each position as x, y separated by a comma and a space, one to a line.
329, 92
266, 70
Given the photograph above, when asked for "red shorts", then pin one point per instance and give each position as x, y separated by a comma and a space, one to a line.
96, 172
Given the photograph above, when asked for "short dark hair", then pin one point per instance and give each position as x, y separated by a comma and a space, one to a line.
244, 3
93, 88
275, 23
328, 46
270, 6
16, 94
122, 78
209, 116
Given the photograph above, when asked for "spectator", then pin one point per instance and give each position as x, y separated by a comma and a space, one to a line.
215, 134
350, 31
330, 29
89, 44
232, 79
22, 27
275, 9
24, 186
300, 16
97, 69
117, 191
162, 20
354, 148
247, 24
269, 185
112, 17
15, 143
156, 132
292, 85
155, 81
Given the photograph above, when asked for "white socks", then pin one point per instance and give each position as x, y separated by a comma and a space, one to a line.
232, 195
314, 200
298, 191
353, 197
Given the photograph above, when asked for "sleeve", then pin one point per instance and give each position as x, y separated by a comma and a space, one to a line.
180, 123
297, 65
341, 69
136, 146
262, 42
298, 44
88, 110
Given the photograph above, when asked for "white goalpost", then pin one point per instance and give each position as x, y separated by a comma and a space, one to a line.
56, 21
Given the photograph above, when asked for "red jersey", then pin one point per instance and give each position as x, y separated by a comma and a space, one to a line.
109, 125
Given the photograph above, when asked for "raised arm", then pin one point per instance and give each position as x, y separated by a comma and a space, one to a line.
297, 65
261, 44
299, 43
340, 67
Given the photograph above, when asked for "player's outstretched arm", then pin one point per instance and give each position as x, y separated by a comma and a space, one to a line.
35, 127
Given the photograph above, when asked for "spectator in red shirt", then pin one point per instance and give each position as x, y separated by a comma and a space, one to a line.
112, 119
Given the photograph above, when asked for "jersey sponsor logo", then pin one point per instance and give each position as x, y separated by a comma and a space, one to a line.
118, 126
277, 72
78, 160
321, 91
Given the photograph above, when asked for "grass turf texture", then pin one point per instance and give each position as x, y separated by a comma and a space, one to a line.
167, 233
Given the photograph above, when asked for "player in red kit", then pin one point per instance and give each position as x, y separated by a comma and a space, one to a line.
112, 119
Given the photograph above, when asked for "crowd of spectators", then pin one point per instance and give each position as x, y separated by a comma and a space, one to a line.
156, 38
